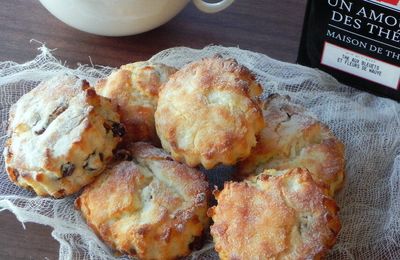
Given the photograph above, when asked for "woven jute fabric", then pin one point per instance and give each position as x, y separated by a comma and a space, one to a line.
368, 125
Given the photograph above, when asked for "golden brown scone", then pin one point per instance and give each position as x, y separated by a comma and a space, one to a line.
151, 207
292, 138
275, 215
61, 134
208, 113
134, 88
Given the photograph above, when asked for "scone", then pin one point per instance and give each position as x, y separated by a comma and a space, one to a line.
60, 136
208, 113
275, 215
134, 88
150, 207
292, 138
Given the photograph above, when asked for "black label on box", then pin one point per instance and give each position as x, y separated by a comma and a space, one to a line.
357, 41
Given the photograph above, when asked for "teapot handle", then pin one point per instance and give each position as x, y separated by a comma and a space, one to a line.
212, 7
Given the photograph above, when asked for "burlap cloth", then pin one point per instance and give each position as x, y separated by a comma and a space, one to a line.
368, 125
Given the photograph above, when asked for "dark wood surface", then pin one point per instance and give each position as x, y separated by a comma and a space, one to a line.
266, 26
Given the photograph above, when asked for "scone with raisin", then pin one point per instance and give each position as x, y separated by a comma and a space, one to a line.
275, 215
147, 206
293, 138
208, 113
134, 88
61, 135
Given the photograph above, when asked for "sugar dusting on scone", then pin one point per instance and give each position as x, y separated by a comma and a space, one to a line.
134, 88
148, 206
274, 215
208, 113
293, 138
60, 136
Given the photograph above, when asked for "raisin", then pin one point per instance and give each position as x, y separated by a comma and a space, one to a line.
118, 129
132, 251
91, 92
85, 84
107, 127
123, 155
40, 131
67, 169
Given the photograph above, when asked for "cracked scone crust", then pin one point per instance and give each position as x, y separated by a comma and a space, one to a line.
292, 138
61, 134
134, 88
151, 207
208, 113
275, 215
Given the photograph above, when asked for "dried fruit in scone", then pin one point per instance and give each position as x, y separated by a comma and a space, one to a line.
61, 135
134, 88
275, 215
292, 138
151, 206
208, 113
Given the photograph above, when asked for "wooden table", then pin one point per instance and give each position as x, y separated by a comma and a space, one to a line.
267, 26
